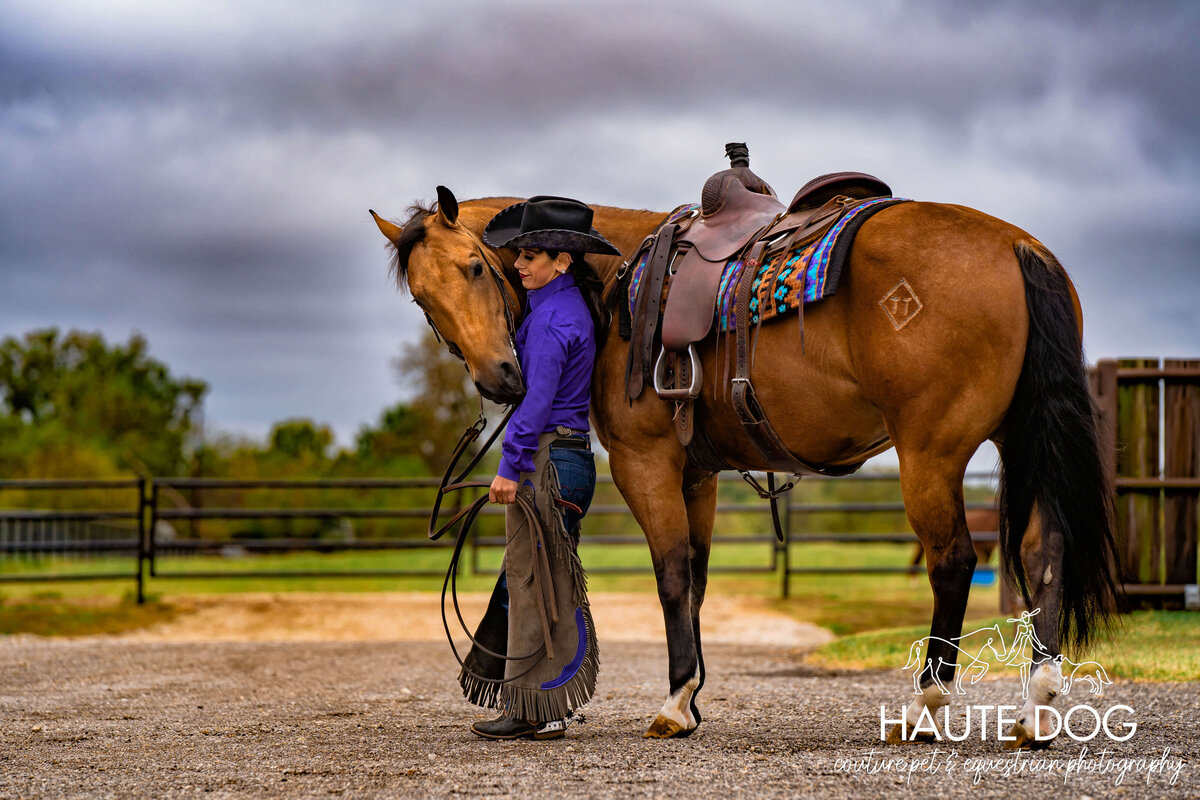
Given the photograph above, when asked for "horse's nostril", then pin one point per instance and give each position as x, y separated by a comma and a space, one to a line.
508, 370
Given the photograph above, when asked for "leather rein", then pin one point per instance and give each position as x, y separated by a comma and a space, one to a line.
465, 518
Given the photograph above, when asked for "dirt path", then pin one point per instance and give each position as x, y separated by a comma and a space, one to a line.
353, 695
415, 616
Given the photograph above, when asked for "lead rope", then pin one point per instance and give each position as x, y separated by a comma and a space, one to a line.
465, 519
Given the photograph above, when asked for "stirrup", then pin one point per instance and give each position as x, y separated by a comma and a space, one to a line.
674, 392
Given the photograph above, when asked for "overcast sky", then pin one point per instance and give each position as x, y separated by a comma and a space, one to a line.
201, 172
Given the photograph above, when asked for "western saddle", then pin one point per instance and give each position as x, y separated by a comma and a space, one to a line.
739, 217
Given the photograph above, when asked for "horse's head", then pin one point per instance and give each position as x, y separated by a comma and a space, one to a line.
460, 285
996, 645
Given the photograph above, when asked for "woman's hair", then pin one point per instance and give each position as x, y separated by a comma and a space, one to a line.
592, 289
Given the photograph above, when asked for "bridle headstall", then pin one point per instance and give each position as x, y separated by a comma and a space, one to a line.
511, 312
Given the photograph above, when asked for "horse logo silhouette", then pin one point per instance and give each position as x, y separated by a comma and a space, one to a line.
970, 650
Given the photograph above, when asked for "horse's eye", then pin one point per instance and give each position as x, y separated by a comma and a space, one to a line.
476, 269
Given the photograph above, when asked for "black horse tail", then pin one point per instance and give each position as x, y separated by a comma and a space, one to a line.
1052, 456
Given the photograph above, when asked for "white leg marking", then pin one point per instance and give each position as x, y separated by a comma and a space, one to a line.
931, 698
1044, 685
678, 707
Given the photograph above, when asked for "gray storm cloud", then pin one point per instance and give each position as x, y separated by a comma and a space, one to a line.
201, 172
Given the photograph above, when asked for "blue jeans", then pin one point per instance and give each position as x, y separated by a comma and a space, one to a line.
576, 484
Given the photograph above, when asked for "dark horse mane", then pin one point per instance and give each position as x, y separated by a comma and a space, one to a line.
412, 231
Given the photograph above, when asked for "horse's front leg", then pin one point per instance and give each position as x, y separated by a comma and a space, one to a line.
700, 497
974, 670
652, 486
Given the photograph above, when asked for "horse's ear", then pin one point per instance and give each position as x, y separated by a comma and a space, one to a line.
447, 206
388, 229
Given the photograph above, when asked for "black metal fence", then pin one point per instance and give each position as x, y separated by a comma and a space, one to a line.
141, 520
198, 543
796, 532
75, 527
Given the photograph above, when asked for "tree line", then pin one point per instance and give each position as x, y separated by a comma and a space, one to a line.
73, 405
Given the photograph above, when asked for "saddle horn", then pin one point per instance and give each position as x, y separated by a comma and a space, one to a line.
738, 154
712, 197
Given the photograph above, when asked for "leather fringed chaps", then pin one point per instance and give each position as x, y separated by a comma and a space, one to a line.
548, 614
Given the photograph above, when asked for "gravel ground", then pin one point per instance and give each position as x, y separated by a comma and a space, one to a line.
115, 717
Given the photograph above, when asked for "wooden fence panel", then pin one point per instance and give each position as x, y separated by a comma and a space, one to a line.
1181, 417
1139, 534
1156, 462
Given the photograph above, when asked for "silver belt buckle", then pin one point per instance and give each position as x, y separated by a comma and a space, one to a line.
563, 430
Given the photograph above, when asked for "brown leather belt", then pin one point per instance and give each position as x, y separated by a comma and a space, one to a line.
572, 443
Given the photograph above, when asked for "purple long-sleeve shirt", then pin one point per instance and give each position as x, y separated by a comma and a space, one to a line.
557, 348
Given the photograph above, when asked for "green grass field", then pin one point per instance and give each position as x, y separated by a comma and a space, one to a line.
1144, 645
433, 562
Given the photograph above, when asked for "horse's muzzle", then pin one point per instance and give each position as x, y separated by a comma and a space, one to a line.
508, 386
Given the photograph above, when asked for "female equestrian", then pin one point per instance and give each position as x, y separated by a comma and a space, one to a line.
535, 656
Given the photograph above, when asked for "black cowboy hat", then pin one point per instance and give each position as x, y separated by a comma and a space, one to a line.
548, 223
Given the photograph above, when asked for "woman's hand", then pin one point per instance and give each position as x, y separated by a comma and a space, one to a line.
503, 491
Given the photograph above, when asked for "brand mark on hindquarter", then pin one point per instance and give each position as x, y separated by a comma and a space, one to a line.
901, 304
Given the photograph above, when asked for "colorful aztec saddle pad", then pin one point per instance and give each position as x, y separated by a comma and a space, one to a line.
810, 272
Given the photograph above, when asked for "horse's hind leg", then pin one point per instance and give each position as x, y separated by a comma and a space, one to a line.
651, 483
933, 501
1041, 556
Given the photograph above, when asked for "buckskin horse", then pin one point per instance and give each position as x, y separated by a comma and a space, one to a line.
994, 353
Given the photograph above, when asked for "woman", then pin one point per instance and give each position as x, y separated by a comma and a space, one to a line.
537, 673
